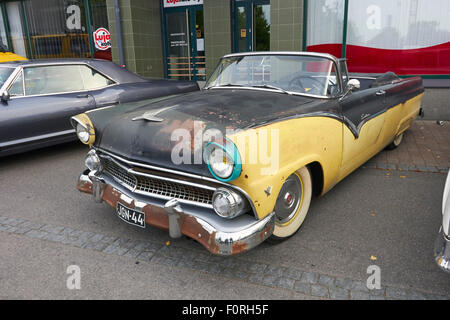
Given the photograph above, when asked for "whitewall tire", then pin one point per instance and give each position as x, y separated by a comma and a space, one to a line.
292, 204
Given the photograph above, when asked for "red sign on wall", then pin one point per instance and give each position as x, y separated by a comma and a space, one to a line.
102, 39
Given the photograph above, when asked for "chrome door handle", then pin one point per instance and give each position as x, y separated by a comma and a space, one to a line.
380, 93
83, 96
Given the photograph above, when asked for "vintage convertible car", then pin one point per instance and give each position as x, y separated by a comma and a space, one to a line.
442, 247
38, 97
239, 161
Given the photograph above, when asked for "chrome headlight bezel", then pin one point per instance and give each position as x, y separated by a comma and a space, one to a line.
224, 166
83, 128
229, 204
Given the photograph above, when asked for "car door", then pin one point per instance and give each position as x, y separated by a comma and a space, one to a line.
364, 115
43, 98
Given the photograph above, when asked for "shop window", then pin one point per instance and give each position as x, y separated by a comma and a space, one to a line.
57, 29
3, 35
16, 28
406, 37
252, 25
325, 26
261, 21
99, 19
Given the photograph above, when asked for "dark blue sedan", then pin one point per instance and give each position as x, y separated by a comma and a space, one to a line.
39, 97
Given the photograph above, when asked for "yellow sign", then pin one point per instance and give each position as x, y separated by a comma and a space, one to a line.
243, 33
199, 33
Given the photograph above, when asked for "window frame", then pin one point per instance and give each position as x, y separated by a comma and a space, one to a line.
20, 69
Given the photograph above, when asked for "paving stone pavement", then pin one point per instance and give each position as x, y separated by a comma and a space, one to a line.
425, 148
314, 284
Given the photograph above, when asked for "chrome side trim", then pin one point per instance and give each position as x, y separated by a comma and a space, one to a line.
44, 136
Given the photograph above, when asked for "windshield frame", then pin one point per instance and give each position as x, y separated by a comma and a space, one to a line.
335, 62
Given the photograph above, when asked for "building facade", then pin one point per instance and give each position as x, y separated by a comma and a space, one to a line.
183, 39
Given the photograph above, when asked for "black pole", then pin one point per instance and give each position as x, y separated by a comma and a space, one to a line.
119, 33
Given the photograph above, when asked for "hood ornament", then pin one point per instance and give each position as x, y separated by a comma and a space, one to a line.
151, 115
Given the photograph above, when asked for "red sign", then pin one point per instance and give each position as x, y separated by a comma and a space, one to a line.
102, 39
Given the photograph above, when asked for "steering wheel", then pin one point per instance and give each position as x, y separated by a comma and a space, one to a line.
298, 83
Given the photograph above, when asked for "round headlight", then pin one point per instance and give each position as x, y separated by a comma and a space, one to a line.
229, 204
224, 161
92, 161
83, 128
82, 133
221, 163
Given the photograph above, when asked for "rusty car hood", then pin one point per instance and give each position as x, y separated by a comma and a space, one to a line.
123, 131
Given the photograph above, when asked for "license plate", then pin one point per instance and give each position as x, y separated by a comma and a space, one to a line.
131, 216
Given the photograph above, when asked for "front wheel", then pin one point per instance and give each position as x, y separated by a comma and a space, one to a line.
292, 205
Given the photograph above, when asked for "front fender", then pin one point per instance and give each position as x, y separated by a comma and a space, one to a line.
271, 153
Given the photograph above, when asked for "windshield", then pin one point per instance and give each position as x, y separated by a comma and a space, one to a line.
296, 74
4, 74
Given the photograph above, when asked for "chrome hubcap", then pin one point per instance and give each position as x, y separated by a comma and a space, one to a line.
289, 199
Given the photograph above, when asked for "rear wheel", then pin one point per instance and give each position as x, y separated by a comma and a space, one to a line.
397, 141
292, 205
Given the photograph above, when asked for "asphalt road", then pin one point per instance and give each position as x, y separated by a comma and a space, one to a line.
373, 217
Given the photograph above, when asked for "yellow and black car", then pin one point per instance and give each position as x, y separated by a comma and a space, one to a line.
239, 162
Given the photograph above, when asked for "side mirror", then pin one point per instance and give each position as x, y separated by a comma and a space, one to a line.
352, 85
5, 96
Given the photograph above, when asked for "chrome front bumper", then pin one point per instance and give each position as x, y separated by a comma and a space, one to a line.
218, 235
442, 251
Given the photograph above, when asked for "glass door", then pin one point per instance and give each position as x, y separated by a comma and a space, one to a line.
261, 26
178, 42
243, 27
198, 48
185, 43
252, 25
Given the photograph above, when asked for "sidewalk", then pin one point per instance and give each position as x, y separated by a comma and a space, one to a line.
425, 148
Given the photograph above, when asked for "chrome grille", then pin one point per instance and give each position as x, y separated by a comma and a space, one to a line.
157, 187
119, 174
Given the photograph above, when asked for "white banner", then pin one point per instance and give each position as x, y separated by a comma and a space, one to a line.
181, 3
399, 24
